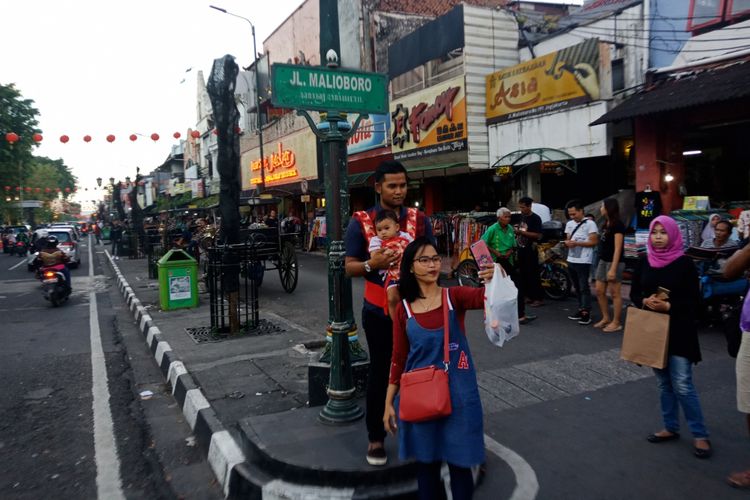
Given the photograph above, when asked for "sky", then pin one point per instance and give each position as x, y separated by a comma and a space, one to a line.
101, 67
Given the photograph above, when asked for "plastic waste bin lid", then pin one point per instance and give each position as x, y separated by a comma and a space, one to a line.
176, 255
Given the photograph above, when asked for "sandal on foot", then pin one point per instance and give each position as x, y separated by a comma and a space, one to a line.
739, 479
655, 438
601, 323
612, 328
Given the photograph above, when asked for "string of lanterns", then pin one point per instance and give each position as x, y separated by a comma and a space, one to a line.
12, 137
46, 190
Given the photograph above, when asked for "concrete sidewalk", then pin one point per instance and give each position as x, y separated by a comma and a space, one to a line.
246, 400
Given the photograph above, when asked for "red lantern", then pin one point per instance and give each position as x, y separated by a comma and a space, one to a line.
154, 137
37, 137
7, 188
27, 189
87, 138
195, 134
67, 190
64, 139
11, 137
18, 188
176, 135
47, 190
58, 189
37, 190
110, 138
133, 137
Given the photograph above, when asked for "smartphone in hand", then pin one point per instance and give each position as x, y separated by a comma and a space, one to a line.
482, 254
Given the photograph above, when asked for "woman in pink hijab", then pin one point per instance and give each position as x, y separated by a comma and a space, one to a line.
667, 282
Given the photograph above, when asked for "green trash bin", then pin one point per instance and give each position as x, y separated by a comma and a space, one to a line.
178, 280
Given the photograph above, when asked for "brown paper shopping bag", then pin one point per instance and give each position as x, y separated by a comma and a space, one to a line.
645, 340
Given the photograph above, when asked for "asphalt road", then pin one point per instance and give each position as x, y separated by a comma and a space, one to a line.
65, 431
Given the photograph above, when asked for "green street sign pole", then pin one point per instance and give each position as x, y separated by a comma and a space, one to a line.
334, 91
341, 407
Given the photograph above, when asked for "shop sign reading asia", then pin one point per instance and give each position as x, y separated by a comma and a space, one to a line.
551, 82
291, 159
429, 122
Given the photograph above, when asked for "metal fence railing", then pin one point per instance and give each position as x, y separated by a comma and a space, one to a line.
232, 276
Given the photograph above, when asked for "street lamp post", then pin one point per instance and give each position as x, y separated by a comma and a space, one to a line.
262, 185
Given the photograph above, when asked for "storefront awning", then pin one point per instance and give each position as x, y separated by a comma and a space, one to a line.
548, 157
437, 169
685, 90
359, 180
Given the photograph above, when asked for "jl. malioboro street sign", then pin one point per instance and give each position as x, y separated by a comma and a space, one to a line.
318, 88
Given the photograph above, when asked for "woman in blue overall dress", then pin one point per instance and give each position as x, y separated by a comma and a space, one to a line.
418, 342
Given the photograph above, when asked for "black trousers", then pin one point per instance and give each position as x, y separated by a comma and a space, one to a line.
528, 263
516, 278
431, 487
379, 334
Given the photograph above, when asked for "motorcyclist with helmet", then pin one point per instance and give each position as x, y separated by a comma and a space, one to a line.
53, 256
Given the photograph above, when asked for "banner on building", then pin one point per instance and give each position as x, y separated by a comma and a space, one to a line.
551, 82
429, 122
196, 186
371, 134
289, 159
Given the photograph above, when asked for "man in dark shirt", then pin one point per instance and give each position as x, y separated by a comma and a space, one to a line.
390, 184
528, 233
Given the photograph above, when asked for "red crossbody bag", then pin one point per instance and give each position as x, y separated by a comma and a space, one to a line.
424, 392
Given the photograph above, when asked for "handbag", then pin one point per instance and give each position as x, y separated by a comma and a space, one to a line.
425, 393
645, 340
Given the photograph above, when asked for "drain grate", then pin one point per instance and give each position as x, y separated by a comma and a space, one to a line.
205, 335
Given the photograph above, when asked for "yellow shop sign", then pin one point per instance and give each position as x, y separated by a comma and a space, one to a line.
548, 83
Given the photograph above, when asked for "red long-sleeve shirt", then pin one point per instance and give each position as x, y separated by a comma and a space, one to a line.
463, 299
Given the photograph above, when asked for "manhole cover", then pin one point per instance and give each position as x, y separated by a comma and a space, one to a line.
205, 334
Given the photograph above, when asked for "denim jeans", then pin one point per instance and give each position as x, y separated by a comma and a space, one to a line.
676, 386
580, 275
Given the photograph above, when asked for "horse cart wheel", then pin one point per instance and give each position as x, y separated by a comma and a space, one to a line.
288, 268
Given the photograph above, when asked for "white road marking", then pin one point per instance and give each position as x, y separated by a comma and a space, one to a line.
23, 261
527, 485
108, 483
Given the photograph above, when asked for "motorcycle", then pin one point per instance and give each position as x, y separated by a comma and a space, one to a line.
553, 268
54, 285
721, 299
21, 248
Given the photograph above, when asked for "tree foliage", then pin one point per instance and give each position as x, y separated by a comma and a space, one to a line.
18, 165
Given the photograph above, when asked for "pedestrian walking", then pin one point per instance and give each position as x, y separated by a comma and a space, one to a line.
391, 186
501, 241
734, 268
418, 338
581, 236
97, 233
610, 267
115, 235
528, 233
667, 282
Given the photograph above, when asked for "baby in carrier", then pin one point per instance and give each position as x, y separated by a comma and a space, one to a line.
393, 241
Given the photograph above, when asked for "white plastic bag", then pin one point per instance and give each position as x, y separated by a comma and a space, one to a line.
500, 308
